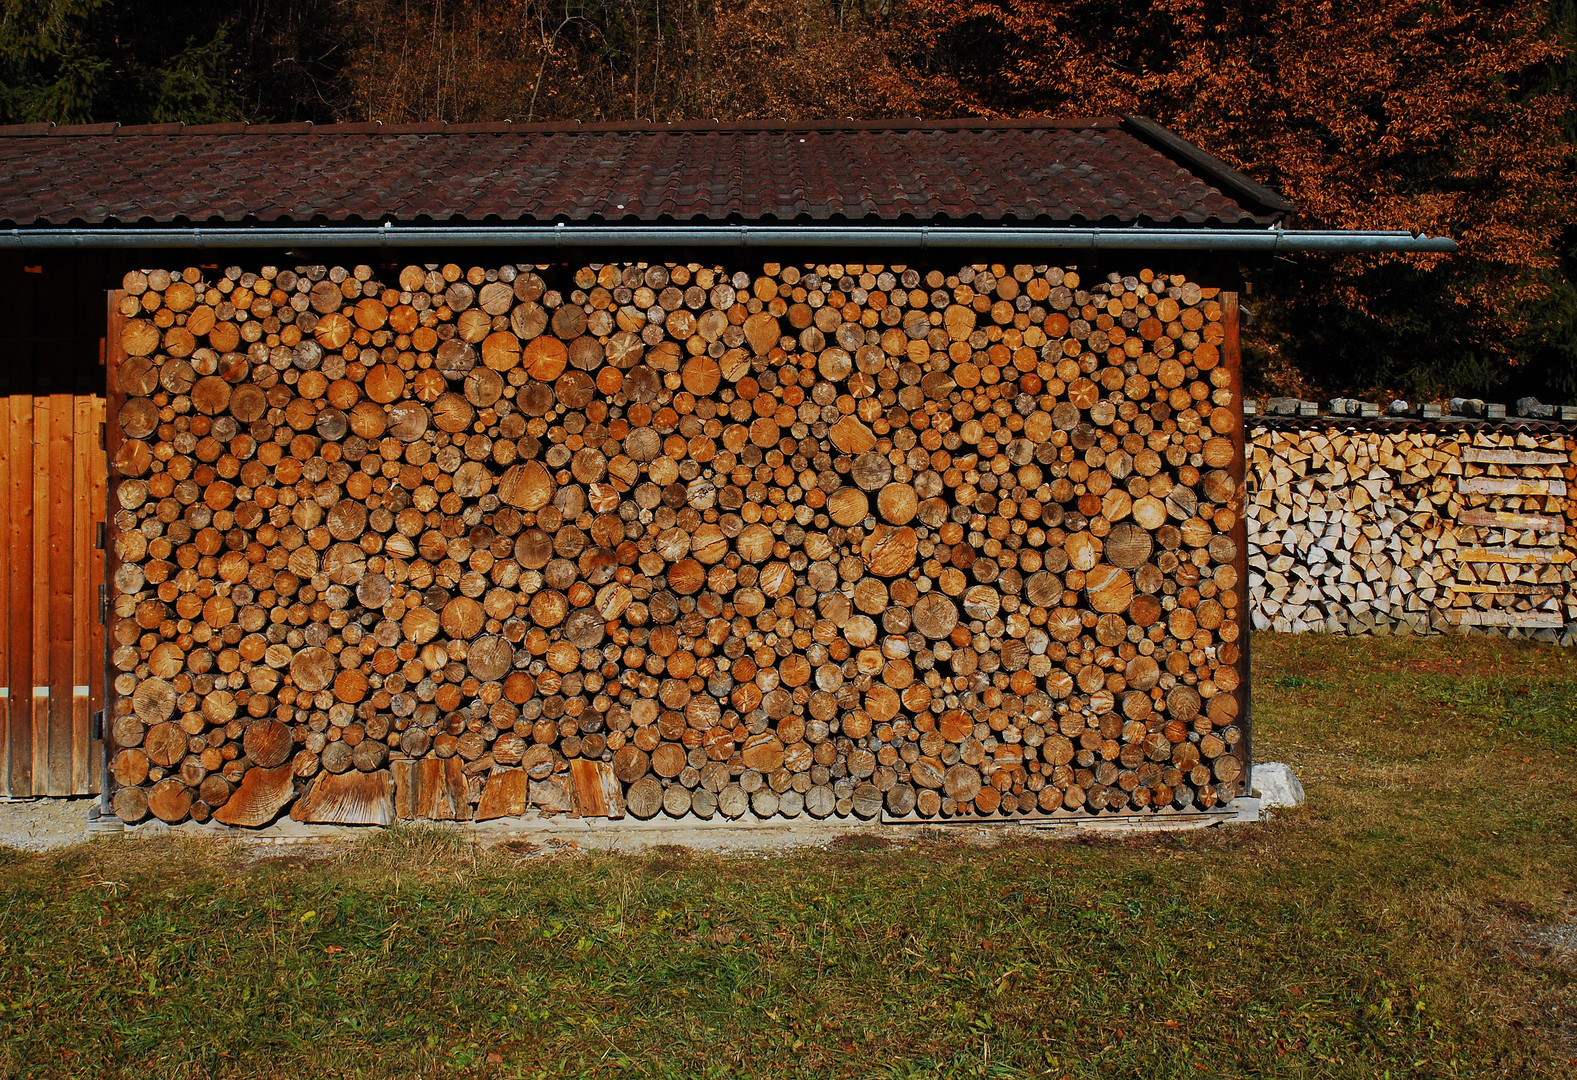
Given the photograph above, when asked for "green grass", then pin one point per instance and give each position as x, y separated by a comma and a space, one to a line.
1377, 933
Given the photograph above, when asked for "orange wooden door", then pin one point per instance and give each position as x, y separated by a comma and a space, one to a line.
53, 477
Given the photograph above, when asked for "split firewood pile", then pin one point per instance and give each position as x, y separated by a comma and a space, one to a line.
670, 539
1350, 531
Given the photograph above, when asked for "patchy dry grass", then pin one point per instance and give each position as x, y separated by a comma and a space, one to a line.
1415, 920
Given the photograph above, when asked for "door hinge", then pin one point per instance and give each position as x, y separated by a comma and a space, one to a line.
104, 603
104, 437
96, 731
101, 532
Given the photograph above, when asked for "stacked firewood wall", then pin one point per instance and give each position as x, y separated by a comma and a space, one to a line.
461, 542
1372, 530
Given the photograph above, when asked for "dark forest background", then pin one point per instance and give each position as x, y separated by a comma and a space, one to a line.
1443, 116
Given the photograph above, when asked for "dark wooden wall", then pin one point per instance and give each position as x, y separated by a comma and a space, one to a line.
52, 505
49, 339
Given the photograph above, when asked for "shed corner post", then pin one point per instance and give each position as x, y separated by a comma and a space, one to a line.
1232, 353
114, 398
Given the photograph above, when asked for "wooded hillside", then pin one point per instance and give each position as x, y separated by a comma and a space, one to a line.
1453, 118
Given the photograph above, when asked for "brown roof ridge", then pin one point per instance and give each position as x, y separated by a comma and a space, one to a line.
964, 123
1228, 179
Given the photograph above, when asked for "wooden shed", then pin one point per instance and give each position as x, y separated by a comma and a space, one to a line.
877, 469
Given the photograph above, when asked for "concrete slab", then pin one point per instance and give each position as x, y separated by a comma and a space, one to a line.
745, 835
42, 824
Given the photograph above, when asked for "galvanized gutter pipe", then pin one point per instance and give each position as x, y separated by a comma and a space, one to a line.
1273, 241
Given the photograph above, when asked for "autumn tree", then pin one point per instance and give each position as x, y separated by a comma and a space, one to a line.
617, 60
133, 61
1377, 114
77, 61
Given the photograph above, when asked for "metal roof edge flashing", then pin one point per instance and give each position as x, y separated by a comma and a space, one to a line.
563, 235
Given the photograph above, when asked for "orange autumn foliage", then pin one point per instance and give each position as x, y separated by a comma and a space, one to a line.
614, 61
1378, 114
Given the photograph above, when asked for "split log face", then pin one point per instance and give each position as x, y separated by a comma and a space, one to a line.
262, 794
829, 540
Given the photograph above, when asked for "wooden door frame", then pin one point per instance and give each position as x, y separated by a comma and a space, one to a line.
114, 398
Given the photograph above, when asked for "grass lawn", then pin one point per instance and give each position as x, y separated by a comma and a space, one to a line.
1399, 926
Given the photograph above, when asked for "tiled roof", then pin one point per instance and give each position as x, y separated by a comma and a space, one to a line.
1089, 172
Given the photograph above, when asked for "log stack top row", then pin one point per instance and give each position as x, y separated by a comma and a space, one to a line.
627, 538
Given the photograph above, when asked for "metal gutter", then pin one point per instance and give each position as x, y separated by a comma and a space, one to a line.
911, 237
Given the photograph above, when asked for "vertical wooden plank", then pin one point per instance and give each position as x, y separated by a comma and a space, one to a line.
61, 629
84, 439
5, 604
38, 693
98, 494
18, 528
